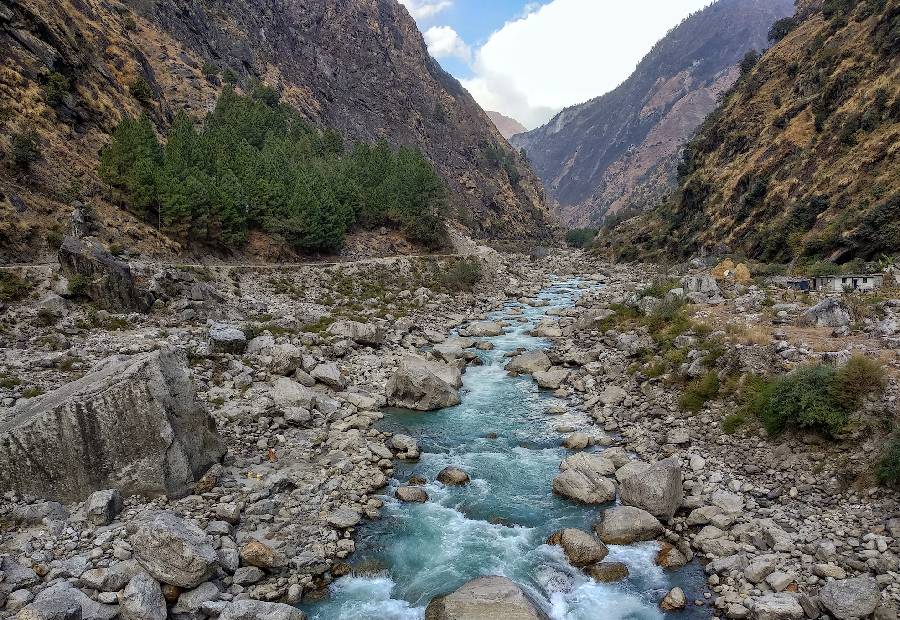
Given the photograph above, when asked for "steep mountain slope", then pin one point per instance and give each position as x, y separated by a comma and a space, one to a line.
506, 125
620, 150
801, 160
71, 69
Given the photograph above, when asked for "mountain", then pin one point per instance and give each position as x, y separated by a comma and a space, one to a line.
73, 69
506, 125
801, 160
620, 150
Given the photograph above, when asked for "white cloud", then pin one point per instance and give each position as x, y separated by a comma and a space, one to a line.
423, 9
568, 51
445, 42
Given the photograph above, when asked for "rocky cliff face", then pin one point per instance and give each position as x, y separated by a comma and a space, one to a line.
801, 160
73, 69
506, 125
620, 150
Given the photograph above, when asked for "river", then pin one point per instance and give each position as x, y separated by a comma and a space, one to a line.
503, 436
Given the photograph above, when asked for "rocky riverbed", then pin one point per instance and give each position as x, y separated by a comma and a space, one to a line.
288, 372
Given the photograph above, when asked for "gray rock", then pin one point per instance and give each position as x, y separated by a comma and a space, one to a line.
259, 610
191, 601
656, 488
481, 329
15, 576
851, 598
485, 598
782, 606
453, 476
612, 395
416, 495
551, 379
143, 599
288, 393
248, 575
583, 478
830, 312
103, 506
580, 548
423, 385
63, 601
105, 280
623, 525
342, 518
224, 338
330, 375
173, 550
529, 363
132, 424
361, 333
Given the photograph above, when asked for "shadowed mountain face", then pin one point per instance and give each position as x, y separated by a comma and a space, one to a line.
506, 125
620, 150
360, 66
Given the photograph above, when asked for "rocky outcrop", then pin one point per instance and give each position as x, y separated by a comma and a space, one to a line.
424, 385
621, 150
132, 424
93, 272
508, 127
830, 312
485, 598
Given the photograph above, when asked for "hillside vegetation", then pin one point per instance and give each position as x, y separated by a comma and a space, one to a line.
801, 159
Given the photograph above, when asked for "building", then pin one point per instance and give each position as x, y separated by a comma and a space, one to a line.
847, 282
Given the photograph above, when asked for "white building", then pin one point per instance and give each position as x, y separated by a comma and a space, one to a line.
847, 282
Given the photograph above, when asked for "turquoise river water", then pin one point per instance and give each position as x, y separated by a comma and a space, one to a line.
498, 523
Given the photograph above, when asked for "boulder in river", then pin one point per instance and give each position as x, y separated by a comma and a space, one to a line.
608, 572
423, 385
481, 329
623, 525
485, 598
583, 478
580, 547
132, 424
411, 494
529, 363
656, 488
453, 476
551, 379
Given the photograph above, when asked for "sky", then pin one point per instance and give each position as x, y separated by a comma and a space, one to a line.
530, 59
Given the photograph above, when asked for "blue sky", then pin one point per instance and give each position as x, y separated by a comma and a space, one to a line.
530, 59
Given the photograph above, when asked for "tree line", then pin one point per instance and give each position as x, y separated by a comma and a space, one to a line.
254, 164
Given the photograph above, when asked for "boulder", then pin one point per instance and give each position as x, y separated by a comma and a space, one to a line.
613, 395
412, 494
851, 598
551, 379
288, 393
576, 441
423, 385
582, 477
142, 599
656, 488
173, 550
608, 572
580, 548
453, 476
674, 600
485, 598
703, 284
830, 312
103, 506
224, 338
529, 363
448, 352
330, 375
781, 606
623, 525
106, 281
132, 424
260, 555
342, 518
360, 333
259, 610
63, 601
481, 329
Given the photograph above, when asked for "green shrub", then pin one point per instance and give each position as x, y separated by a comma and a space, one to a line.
140, 90
56, 88
210, 69
782, 28
749, 61
12, 287
24, 150
580, 237
731, 423
659, 288
888, 467
856, 379
803, 399
463, 275
78, 286
699, 392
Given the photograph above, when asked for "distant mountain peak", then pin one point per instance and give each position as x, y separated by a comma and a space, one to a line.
506, 125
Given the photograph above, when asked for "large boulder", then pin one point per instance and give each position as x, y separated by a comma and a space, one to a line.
529, 363
132, 424
623, 525
174, 550
583, 478
481, 329
485, 598
259, 610
780, 606
423, 385
580, 548
851, 598
656, 488
143, 599
225, 338
830, 312
360, 333
63, 601
92, 271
